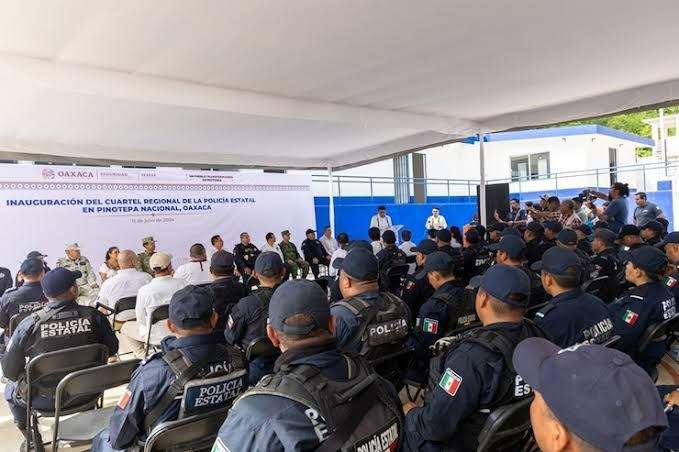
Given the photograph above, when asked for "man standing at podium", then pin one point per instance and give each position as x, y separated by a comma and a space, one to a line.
381, 220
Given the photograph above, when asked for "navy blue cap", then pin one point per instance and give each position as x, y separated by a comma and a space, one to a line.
654, 226
221, 259
510, 231
389, 236
191, 306
472, 235
606, 235
425, 247
342, 238
35, 254
268, 264
506, 283
557, 261
534, 226
497, 227
552, 225
599, 393
309, 231
567, 237
58, 281
31, 267
299, 296
436, 261
585, 229
510, 244
628, 229
444, 235
359, 244
672, 237
649, 258
359, 263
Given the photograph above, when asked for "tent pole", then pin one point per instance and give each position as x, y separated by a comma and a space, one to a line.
482, 182
331, 202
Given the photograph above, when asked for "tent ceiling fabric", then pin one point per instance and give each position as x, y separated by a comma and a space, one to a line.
316, 83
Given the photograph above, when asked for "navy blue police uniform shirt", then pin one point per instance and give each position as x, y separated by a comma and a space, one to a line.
347, 325
5, 280
271, 423
434, 317
29, 295
148, 384
470, 378
637, 309
575, 317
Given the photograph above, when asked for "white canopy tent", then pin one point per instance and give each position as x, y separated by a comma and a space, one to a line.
316, 83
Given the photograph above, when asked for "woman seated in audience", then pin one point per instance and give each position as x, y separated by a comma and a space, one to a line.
110, 266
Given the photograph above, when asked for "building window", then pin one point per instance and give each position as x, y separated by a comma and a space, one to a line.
528, 167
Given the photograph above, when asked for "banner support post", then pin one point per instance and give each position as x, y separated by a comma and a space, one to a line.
331, 201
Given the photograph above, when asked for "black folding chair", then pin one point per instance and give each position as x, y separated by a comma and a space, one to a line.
193, 433
396, 277
158, 314
260, 348
54, 366
82, 427
656, 332
123, 305
506, 428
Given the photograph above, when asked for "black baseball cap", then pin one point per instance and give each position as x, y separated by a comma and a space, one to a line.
510, 231
599, 393
436, 261
506, 283
342, 238
605, 235
512, 245
534, 226
35, 254
389, 236
552, 225
359, 264
557, 261
268, 264
32, 267
58, 281
628, 229
191, 306
425, 247
221, 259
654, 226
496, 227
648, 258
585, 229
299, 296
309, 231
472, 235
672, 237
358, 244
444, 235
567, 237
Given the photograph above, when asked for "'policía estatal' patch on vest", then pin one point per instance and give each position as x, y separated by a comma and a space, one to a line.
385, 440
320, 427
31, 306
68, 327
521, 388
669, 308
599, 332
214, 394
387, 332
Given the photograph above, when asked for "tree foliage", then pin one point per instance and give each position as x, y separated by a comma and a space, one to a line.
630, 122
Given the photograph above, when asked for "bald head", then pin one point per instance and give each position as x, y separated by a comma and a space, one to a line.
127, 259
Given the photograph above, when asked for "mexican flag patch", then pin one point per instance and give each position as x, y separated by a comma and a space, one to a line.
671, 282
430, 326
450, 382
630, 317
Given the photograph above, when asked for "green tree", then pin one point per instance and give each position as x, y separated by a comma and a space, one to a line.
629, 122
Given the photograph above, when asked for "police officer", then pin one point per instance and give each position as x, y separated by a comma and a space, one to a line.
24, 300
18, 281
630, 238
144, 258
671, 247
247, 320
510, 251
584, 232
443, 239
552, 229
149, 398
571, 316
245, 253
589, 398
5, 280
314, 252
390, 256
442, 313
226, 287
470, 252
335, 293
568, 240
318, 398
648, 302
605, 263
651, 232
87, 283
475, 375
535, 244
370, 322
417, 290
61, 324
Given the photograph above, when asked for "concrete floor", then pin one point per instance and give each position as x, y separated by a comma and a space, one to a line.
11, 438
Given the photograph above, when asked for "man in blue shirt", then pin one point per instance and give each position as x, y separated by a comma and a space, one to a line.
617, 211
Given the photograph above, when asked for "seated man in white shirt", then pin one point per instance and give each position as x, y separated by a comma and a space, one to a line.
157, 292
198, 270
125, 283
328, 241
406, 246
375, 240
341, 252
272, 246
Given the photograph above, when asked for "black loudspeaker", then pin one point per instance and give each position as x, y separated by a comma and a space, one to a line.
497, 198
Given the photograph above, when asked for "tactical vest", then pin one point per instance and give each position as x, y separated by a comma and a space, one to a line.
356, 414
26, 307
382, 331
256, 326
60, 328
464, 307
511, 387
203, 385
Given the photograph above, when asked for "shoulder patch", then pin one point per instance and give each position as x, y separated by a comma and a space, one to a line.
450, 382
430, 326
630, 317
124, 399
410, 285
671, 282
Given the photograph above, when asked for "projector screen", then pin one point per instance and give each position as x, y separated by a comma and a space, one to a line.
46, 207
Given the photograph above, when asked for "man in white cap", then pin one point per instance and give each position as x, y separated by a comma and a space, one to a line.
87, 283
158, 292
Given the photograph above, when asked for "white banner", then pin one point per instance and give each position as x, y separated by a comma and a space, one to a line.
45, 207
